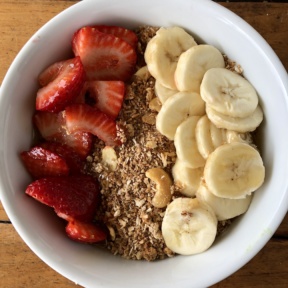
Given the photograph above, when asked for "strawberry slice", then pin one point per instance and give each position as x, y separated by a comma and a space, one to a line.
85, 232
82, 117
72, 197
104, 56
41, 162
67, 78
125, 34
108, 96
50, 73
73, 160
81, 98
52, 127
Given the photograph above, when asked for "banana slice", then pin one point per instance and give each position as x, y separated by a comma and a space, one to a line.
218, 135
185, 143
162, 92
234, 171
163, 51
176, 109
186, 179
193, 64
224, 208
189, 227
228, 93
237, 124
203, 137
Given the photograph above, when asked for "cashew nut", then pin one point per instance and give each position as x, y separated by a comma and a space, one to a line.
163, 183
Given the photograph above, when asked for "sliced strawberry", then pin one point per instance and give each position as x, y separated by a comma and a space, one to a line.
82, 117
108, 96
72, 197
104, 56
65, 86
85, 232
125, 34
73, 160
52, 127
80, 99
50, 73
41, 162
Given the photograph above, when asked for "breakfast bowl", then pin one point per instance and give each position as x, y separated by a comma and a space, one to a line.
89, 266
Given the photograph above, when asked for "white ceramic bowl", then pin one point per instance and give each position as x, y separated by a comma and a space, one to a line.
41, 229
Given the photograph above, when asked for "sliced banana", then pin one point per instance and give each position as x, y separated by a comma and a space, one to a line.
218, 135
162, 92
189, 226
186, 145
228, 93
163, 51
193, 64
176, 109
224, 208
203, 137
234, 171
187, 179
237, 124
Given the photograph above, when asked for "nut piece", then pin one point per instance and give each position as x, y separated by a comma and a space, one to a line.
155, 104
163, 184
109, 158
143, 73
149, 118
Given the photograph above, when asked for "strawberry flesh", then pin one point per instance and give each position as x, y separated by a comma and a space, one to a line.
108, 96
85, 232
65, 86
52, 127
82, 117
73, 160
125, 34
41, 162
72, 197
104, 56
50, 73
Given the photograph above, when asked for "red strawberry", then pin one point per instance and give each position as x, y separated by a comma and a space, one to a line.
41, 162
65, 86
104, 56
82, 117
108, 95
85, 232
80, 99
52, 127
72, 197
127, 35
73, 160
50, 73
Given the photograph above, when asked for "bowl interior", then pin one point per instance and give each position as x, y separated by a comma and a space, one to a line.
44, 232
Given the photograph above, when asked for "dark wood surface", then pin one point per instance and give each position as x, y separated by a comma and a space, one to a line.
19, 266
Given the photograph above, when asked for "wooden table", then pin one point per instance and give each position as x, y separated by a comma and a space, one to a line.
19, 267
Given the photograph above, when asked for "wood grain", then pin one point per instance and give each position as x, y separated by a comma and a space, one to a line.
19, 266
